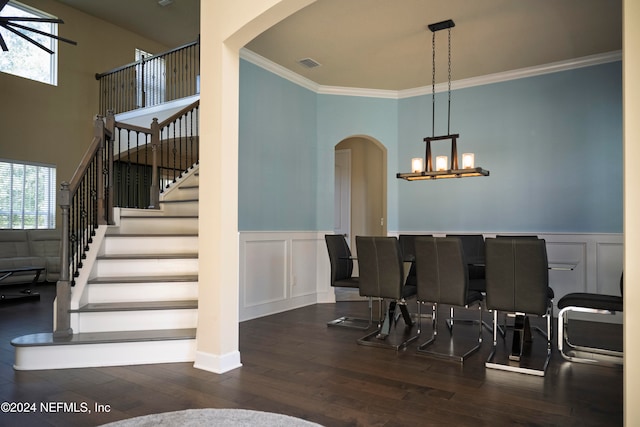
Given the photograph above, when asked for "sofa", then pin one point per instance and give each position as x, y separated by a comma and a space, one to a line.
30, 248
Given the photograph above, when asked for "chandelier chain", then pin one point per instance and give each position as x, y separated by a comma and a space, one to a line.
433, 83
449, 88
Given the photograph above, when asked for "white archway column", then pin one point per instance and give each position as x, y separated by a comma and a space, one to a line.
226, 26
631, 129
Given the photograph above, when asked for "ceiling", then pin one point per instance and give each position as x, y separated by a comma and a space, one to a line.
385, 44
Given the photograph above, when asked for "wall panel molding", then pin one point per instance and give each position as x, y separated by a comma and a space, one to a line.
282, 270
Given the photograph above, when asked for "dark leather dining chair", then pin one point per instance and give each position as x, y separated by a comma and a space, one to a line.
473, 248
382, 276
517, 281
409, 255
550, 292
342, 276
443, 278
584, 302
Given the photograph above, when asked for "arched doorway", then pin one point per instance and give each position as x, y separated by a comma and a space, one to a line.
360, 193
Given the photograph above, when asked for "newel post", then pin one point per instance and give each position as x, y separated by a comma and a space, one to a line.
62, 327
154, 195
98, 132
107, 171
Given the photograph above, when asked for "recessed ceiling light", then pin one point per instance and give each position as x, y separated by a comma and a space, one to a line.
165, 2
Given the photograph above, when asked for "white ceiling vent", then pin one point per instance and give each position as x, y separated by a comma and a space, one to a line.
308, 63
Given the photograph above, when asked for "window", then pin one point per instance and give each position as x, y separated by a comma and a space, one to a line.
27, 195
150, 79
24, 58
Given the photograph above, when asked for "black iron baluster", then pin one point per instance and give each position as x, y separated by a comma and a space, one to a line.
174, 151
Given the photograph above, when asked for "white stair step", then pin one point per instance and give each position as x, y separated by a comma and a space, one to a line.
128, 212
180, 207
41, 351
154, 265
144, 243
132, 316
158, 225
184, 192
136, 320
118, 289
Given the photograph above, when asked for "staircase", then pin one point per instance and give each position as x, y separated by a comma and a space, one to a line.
136, 300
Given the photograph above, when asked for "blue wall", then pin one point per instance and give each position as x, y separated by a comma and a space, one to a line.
553, 144
341, 117
277, 153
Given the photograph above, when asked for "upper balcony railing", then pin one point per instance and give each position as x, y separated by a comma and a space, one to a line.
151, 81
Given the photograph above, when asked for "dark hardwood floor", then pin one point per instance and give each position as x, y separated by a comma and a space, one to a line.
295, 365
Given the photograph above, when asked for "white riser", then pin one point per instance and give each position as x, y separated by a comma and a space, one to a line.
144, 320
140, 212
180, 208
145, 267
148, 291
186, 193
109, 354
142, 225
138, 245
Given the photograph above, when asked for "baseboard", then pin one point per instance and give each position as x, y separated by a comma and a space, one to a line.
218, 364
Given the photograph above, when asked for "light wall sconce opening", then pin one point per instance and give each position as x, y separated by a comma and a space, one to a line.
468, 160
417, 165
442, 163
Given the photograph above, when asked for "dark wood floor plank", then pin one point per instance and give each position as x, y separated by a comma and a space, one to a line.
294, 364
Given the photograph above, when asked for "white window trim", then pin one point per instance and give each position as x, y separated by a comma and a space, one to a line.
50, 215
53, 43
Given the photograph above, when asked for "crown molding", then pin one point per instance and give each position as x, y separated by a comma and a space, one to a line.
555, 67
354, 91
521, 73
278, 70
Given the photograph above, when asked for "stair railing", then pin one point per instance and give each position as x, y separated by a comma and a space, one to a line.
148, 160
125, 166
85, 202
152, 80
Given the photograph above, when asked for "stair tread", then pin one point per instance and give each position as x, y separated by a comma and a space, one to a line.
138, 235
159, 216
136, 305
180, 201
143, 279
148, 256
188, 187
46, 339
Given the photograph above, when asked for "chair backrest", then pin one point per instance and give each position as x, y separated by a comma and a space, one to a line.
622, 284
473, 247
407, 245
441, 270
409, 254
380, 265
517, 275
339, 257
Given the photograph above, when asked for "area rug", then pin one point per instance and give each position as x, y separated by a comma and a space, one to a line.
213, 417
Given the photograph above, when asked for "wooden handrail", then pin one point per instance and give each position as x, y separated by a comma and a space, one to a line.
127, 126
179, 114
149, 58
93, 210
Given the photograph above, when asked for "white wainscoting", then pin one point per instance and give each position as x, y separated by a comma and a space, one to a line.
282, 270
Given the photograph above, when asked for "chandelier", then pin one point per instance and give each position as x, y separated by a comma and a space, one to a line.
442, 168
